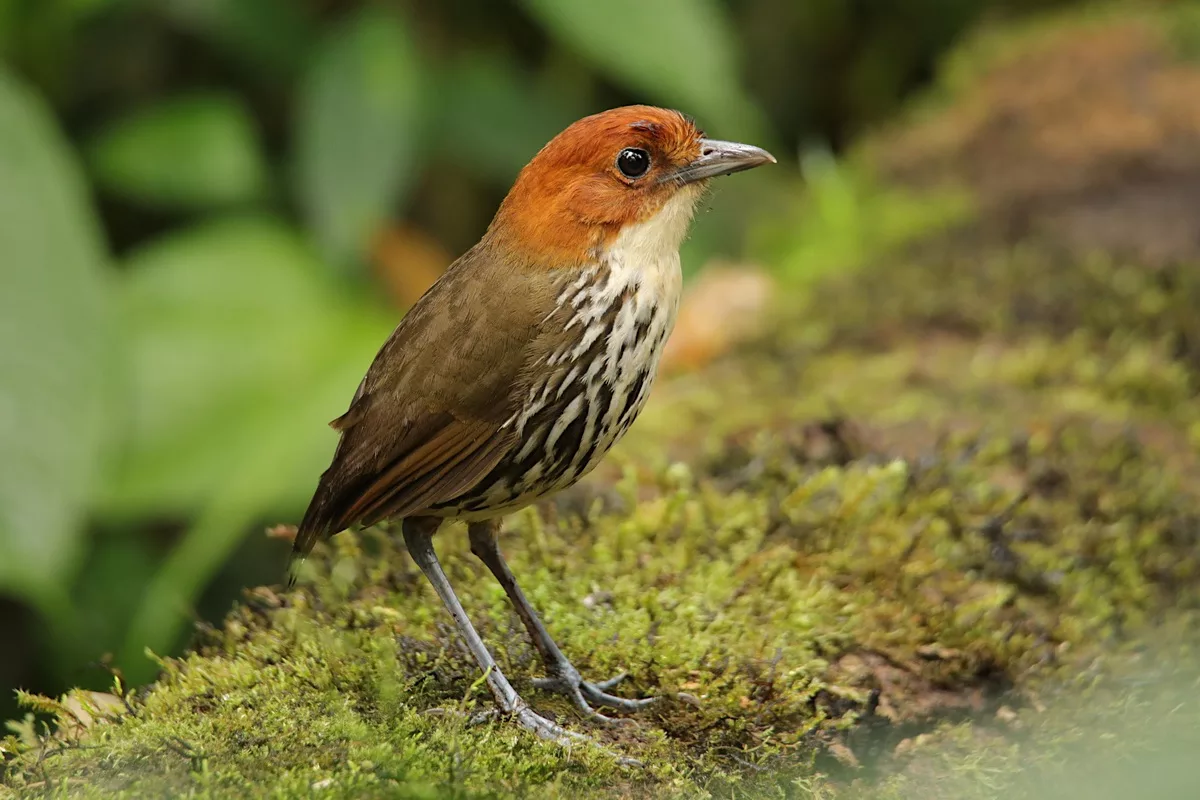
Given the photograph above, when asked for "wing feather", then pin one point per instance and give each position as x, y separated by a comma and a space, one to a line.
432, 473
427, 423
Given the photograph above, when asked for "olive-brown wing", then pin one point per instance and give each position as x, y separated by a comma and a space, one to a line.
428, 421
442, 467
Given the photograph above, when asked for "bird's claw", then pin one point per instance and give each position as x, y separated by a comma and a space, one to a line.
584, 694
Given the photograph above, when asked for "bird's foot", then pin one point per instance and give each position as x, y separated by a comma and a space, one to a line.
545, 728
584, 694
530, 720
551, 731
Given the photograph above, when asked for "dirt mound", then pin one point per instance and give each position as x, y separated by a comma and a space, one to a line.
1088, 136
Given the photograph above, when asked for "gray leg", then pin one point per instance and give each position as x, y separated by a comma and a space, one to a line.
564, 678
418, 537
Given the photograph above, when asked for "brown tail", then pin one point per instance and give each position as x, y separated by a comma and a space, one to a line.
317, 525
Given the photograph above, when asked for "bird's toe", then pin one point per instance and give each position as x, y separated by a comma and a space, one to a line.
585, 694
611, 683
596, 694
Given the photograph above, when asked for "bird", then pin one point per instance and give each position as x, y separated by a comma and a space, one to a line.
524, 363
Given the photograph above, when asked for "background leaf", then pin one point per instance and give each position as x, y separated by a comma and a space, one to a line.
522, 113
190, 152
54, 325
358, 131
231, 326
243, 347
269, 37
679, 52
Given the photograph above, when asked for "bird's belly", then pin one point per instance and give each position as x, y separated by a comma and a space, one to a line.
597, 384
563, 450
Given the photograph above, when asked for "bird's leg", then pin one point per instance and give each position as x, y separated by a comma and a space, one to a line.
564, 678
418, 537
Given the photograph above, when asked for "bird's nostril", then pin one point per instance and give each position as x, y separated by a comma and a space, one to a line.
708, 151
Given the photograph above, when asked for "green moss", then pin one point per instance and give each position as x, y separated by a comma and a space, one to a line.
934, 536
976, 529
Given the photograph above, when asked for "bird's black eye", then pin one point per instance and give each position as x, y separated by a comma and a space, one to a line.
633, 162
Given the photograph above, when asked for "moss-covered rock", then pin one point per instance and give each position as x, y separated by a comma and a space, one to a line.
937, 535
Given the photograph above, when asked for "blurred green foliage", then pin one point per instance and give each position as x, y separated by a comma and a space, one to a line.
683, 49
357, 131
138, 155
849, 218
54, 322
190, 194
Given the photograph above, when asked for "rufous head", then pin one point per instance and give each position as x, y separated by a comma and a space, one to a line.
613, 169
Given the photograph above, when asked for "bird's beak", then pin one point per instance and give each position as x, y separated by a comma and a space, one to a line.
719, 158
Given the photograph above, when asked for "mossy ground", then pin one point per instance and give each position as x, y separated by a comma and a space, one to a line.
936, 535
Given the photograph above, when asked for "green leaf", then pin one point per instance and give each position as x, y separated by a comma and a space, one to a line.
358, 131
268, 36
54, 325
679, 52
191, 152
233, 326
522, 114
243, 348
26, 26
10, 22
